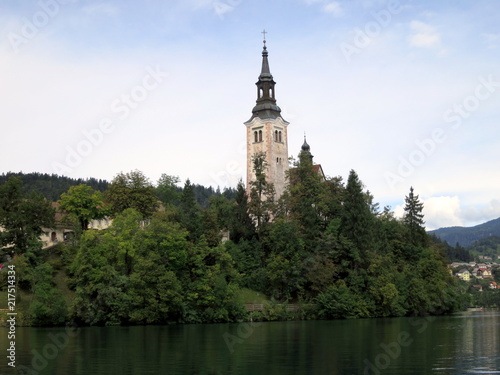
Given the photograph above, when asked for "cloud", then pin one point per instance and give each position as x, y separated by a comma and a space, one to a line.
442, 211
424, 35
332, 7
448, 211
481, 214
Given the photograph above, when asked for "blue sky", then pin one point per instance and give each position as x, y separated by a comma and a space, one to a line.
404, 92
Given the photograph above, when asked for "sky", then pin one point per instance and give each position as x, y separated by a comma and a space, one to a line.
404, 92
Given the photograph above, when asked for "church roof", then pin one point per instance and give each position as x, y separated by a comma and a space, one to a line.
265, 107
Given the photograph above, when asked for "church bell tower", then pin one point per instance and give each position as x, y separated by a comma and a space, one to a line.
267, 131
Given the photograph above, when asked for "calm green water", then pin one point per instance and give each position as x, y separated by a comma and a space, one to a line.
467, 343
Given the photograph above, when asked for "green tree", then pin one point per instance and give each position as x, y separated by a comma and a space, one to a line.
100, 293
132, 190
190, 213
241, 225
83, 203
357, 220
48, 307
167, 189
305, 193
22, 216
414, 220
262, 192
285, 262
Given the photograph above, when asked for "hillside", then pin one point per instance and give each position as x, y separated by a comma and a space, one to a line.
465, 236
489, 246
52, 186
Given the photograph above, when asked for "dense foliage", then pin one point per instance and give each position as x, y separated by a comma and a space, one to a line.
22, 216
323, 244
51, 186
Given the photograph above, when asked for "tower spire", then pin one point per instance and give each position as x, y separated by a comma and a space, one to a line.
266, 100
306, 149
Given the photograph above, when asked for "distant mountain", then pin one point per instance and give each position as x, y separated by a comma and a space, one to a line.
489, 246
465, 236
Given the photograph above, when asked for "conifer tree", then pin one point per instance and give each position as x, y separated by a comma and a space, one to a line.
414, 220
357, 220
241, 226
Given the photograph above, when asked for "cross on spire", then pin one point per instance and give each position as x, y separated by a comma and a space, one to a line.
264, 33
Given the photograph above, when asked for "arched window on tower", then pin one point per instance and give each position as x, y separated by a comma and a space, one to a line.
255, 137
279, 137
261, 93
275, 136
260, 135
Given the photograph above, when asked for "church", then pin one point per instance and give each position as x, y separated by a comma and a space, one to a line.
267, 131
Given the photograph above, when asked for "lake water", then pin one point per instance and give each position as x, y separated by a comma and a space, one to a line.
466, 343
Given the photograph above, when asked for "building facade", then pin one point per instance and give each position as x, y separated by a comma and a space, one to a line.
267, 131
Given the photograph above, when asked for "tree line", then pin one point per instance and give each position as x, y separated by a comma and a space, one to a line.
324, 243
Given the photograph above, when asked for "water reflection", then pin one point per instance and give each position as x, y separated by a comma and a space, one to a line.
461, 344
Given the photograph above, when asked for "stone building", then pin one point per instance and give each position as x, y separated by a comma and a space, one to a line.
267, 131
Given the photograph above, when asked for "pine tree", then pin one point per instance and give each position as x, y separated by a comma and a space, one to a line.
414, 220
357, 220
241, 225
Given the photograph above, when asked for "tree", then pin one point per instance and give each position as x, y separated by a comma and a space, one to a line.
357, 219
48, 307
132, 190
241, 225
84, 203
190, 212
306, 191
167, 189
22, 216
261, 191
414, 220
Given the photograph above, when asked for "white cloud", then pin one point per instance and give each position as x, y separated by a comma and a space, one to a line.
424, 35
333, 8
449, 211
442, 211
482, 213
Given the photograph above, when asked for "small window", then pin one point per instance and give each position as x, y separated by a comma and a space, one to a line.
255, 137
279, 137
260, 135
